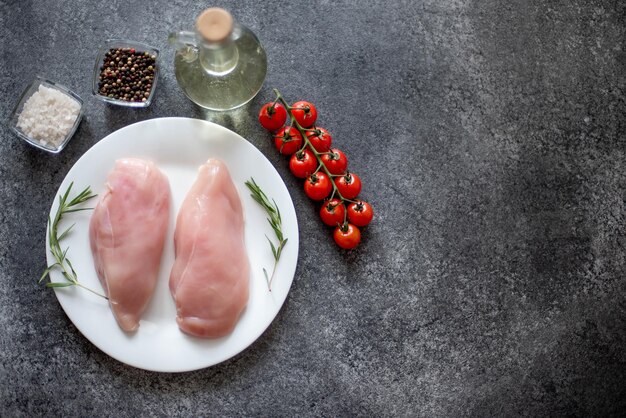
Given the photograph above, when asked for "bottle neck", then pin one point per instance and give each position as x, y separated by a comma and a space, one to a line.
218, 58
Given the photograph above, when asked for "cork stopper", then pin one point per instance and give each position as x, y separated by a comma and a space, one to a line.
214, 24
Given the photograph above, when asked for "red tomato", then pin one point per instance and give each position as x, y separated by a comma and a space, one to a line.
336, 162
347, 236
333, 212
317, 186
302, 164
272, 116
360, 213
320, 139
349, 185
288, 140
305, 113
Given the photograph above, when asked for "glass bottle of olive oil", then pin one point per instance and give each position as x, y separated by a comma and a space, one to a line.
221, 65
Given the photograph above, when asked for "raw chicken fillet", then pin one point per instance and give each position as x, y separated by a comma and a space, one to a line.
209, 279
127, 232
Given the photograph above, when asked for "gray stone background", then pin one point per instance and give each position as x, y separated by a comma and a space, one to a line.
491, 140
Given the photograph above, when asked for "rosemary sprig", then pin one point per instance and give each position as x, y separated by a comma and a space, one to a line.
54, 240
275, 222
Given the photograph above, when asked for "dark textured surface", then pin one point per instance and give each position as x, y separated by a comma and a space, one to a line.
491, 139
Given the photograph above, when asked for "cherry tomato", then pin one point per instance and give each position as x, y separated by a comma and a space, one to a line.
360, 213
349, 185
302, 164
320, 139
317, 186
347, 236
288, 140
336, 162
305, 113
333, 212
272, 116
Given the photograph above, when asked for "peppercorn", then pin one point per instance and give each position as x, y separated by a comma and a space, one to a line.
127, 74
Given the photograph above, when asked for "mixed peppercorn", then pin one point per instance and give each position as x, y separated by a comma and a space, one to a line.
127, 74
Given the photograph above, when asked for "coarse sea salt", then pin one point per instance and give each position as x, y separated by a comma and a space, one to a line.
48, 115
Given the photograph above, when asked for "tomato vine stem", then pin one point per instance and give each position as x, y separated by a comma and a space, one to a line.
307, 143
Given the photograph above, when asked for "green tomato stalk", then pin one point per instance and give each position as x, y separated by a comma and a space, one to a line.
307, 144
344, 227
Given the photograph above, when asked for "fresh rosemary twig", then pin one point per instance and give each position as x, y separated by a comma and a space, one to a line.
275, 222
54, 240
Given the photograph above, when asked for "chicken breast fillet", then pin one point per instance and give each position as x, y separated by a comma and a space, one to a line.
209, 279
127, 232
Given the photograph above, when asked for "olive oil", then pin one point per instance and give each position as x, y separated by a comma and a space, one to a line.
222, 65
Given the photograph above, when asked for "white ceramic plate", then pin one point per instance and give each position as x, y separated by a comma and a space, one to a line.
179, 146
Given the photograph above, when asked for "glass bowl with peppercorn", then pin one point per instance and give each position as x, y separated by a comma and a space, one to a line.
126, 73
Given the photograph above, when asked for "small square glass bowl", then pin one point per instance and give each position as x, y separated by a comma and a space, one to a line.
122, 43
19, 107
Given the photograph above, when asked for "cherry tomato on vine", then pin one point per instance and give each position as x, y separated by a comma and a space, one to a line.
360, 213
347, 236
336, 162
317, 186
288, 140
333, 212
272, 116
349, 185
302, 164
320, 139
305, 113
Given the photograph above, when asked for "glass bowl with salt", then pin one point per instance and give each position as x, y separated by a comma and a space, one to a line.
47, 115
